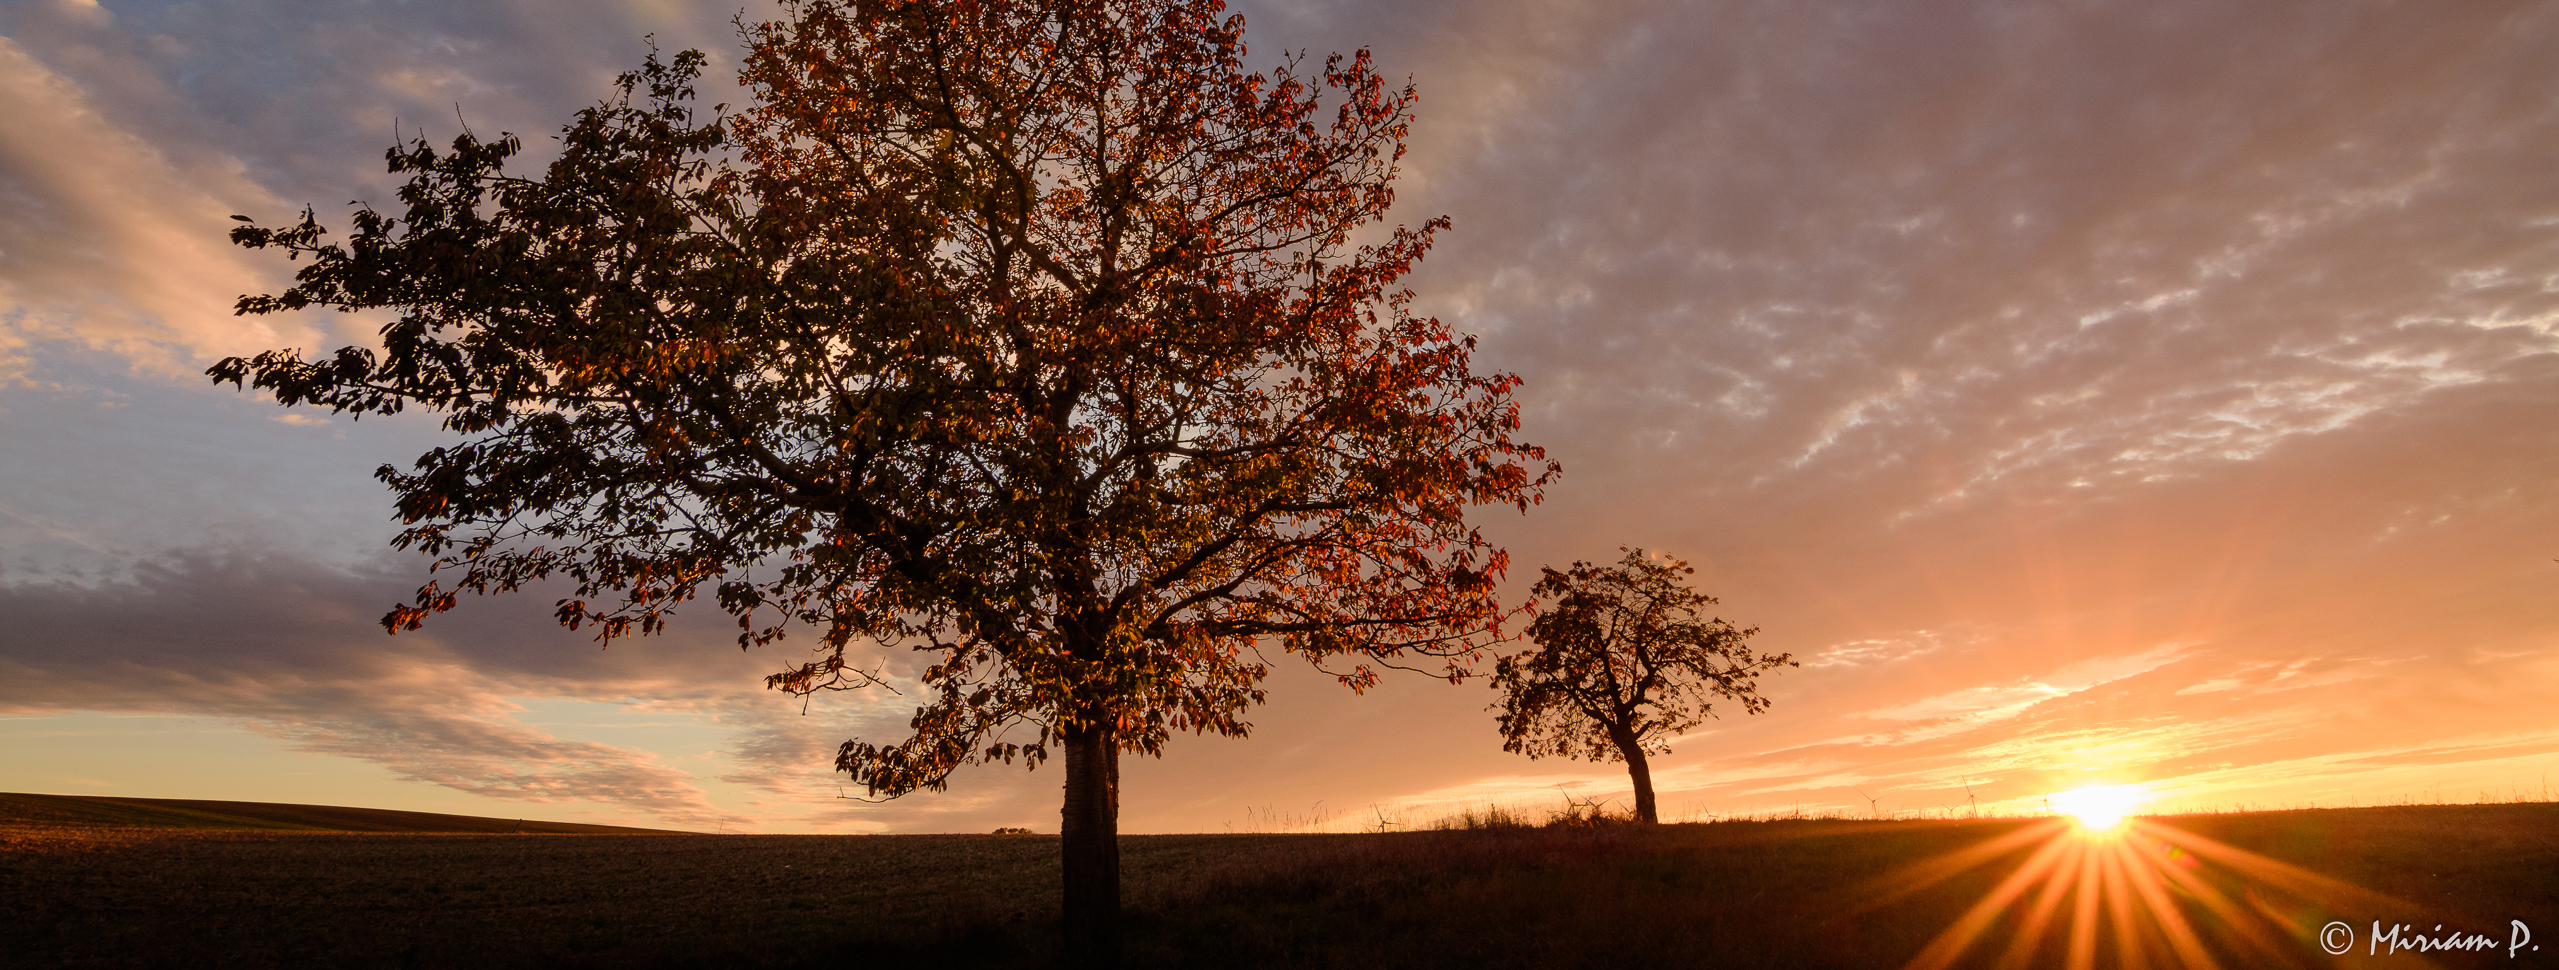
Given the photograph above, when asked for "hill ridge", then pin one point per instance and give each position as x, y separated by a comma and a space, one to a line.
116, 811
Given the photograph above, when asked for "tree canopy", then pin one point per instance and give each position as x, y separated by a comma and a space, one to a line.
1030, 334
1624, 660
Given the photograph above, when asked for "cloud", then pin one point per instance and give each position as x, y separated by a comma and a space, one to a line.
290, 648
111, 244
1767, 248
286, 647
133, 139
1878, 651
1998, 702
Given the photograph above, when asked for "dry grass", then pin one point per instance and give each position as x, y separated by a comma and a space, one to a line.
1747, 894
260, 899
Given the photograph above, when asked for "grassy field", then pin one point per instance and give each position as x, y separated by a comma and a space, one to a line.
1802, 893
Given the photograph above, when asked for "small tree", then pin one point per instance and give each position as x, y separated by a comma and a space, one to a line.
1025, 333
1623, 662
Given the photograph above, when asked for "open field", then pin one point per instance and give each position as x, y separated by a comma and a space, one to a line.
1806, 893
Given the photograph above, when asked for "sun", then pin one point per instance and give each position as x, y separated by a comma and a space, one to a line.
2161, 894
2099, 808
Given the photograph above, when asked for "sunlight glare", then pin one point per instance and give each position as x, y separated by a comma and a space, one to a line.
2153, 894
2099, 808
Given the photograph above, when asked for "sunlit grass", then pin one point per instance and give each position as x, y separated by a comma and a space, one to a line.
2124, 892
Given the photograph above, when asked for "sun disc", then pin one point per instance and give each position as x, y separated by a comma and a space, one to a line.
2098, 808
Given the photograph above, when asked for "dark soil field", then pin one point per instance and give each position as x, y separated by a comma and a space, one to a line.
2240, 890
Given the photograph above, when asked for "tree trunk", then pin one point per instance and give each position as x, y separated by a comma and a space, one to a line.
1642, 771
1089, 837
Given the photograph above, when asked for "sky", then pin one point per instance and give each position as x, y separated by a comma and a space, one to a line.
2155, 393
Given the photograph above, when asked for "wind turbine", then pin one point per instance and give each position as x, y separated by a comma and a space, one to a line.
1871, 802
1972, 799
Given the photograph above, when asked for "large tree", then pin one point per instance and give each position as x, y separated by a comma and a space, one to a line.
1029, 334
1625, 660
